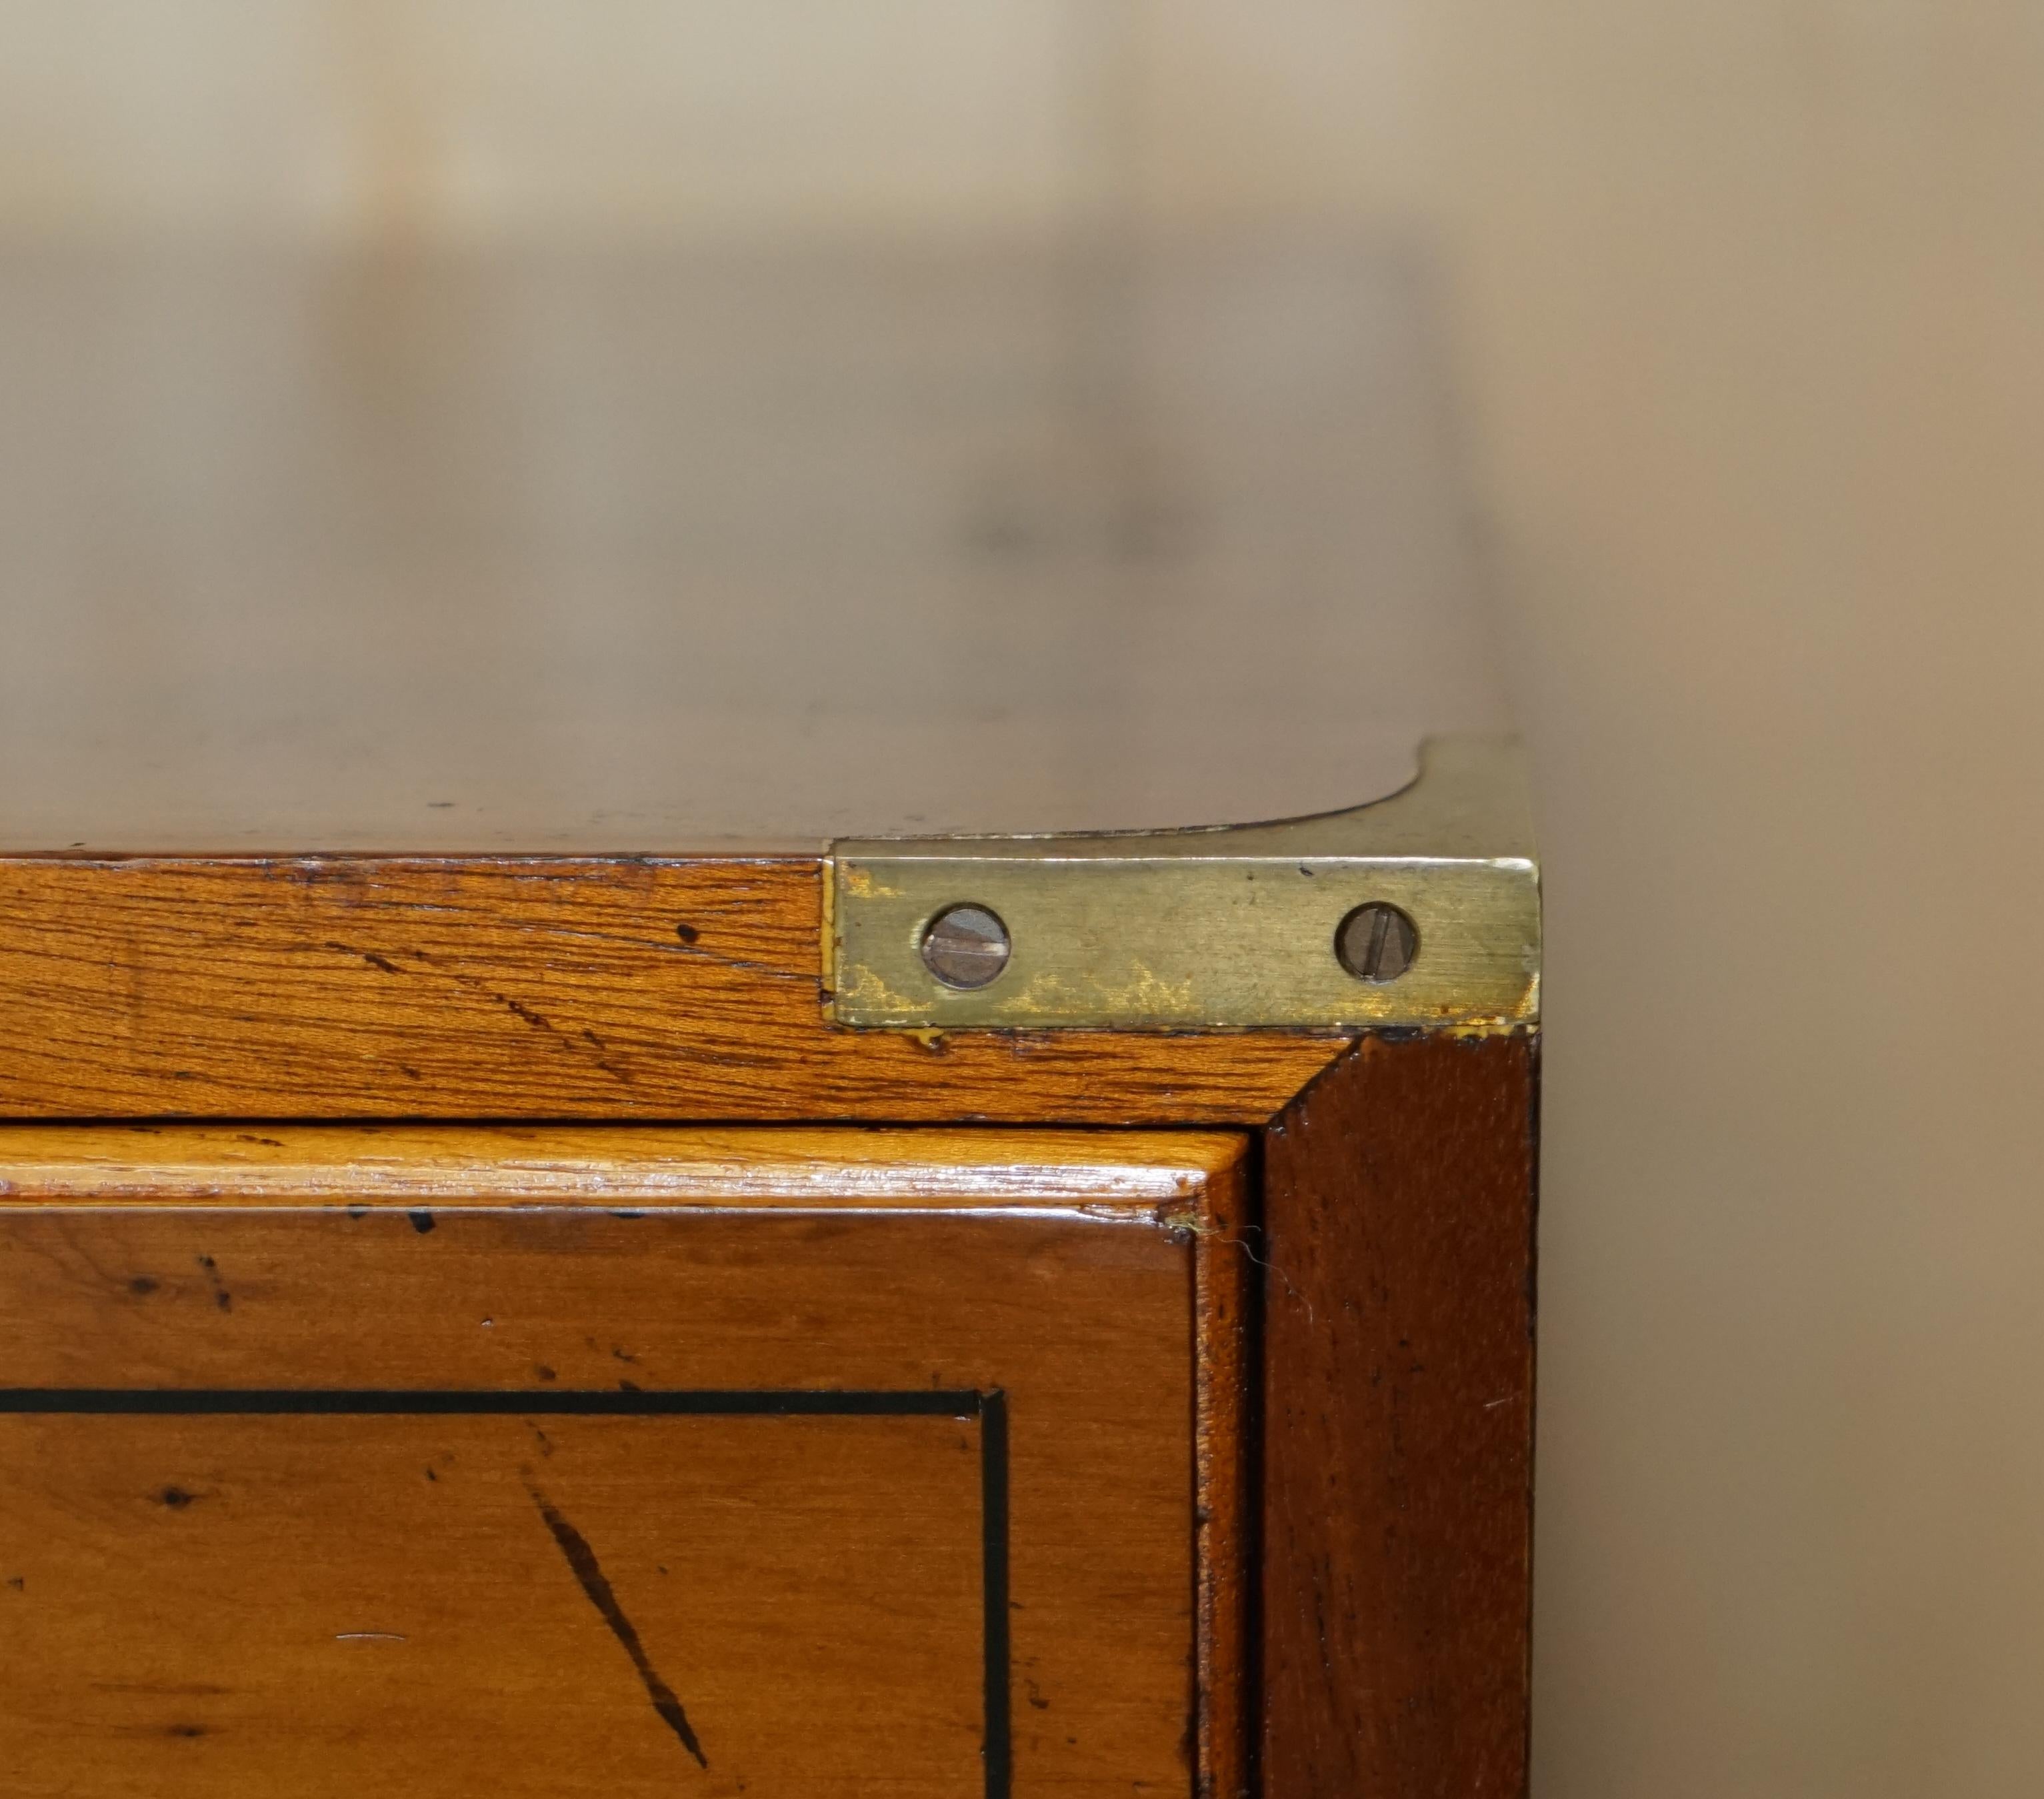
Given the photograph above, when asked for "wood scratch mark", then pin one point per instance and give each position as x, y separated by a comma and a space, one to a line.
582, 1563
369, 956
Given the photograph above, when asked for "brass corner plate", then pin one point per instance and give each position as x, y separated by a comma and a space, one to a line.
1225, 929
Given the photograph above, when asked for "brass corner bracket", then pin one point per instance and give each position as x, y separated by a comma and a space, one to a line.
1421, 909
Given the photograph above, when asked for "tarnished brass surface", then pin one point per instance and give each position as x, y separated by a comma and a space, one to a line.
1214, 929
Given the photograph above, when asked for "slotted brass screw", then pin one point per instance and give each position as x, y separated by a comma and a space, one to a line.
965, 947
1376, 943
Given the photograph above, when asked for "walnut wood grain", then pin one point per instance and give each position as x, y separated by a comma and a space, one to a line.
444, 1573
354, 987
1397, 1440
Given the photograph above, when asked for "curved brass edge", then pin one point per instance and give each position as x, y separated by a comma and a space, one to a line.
1213, 930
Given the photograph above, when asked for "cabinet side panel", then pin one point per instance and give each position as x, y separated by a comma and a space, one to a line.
1398, 1372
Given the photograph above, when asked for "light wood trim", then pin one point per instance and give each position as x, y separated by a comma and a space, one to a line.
650, 1167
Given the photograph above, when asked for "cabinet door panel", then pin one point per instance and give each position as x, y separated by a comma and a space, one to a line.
455, 1463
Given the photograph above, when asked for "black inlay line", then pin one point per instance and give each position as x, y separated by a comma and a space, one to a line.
397, 1402
994, 1564
990, 1408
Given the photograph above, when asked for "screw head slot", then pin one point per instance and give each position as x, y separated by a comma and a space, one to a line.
965, 947
1376, 943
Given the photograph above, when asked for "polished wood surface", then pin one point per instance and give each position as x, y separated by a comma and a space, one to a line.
336, 1606
562, 550
1398, 1424
625, 988
394, 1487
1174, 1174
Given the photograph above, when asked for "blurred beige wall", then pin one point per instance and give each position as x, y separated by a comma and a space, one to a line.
467, 118
1746, 304
684, 118
1750, 301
